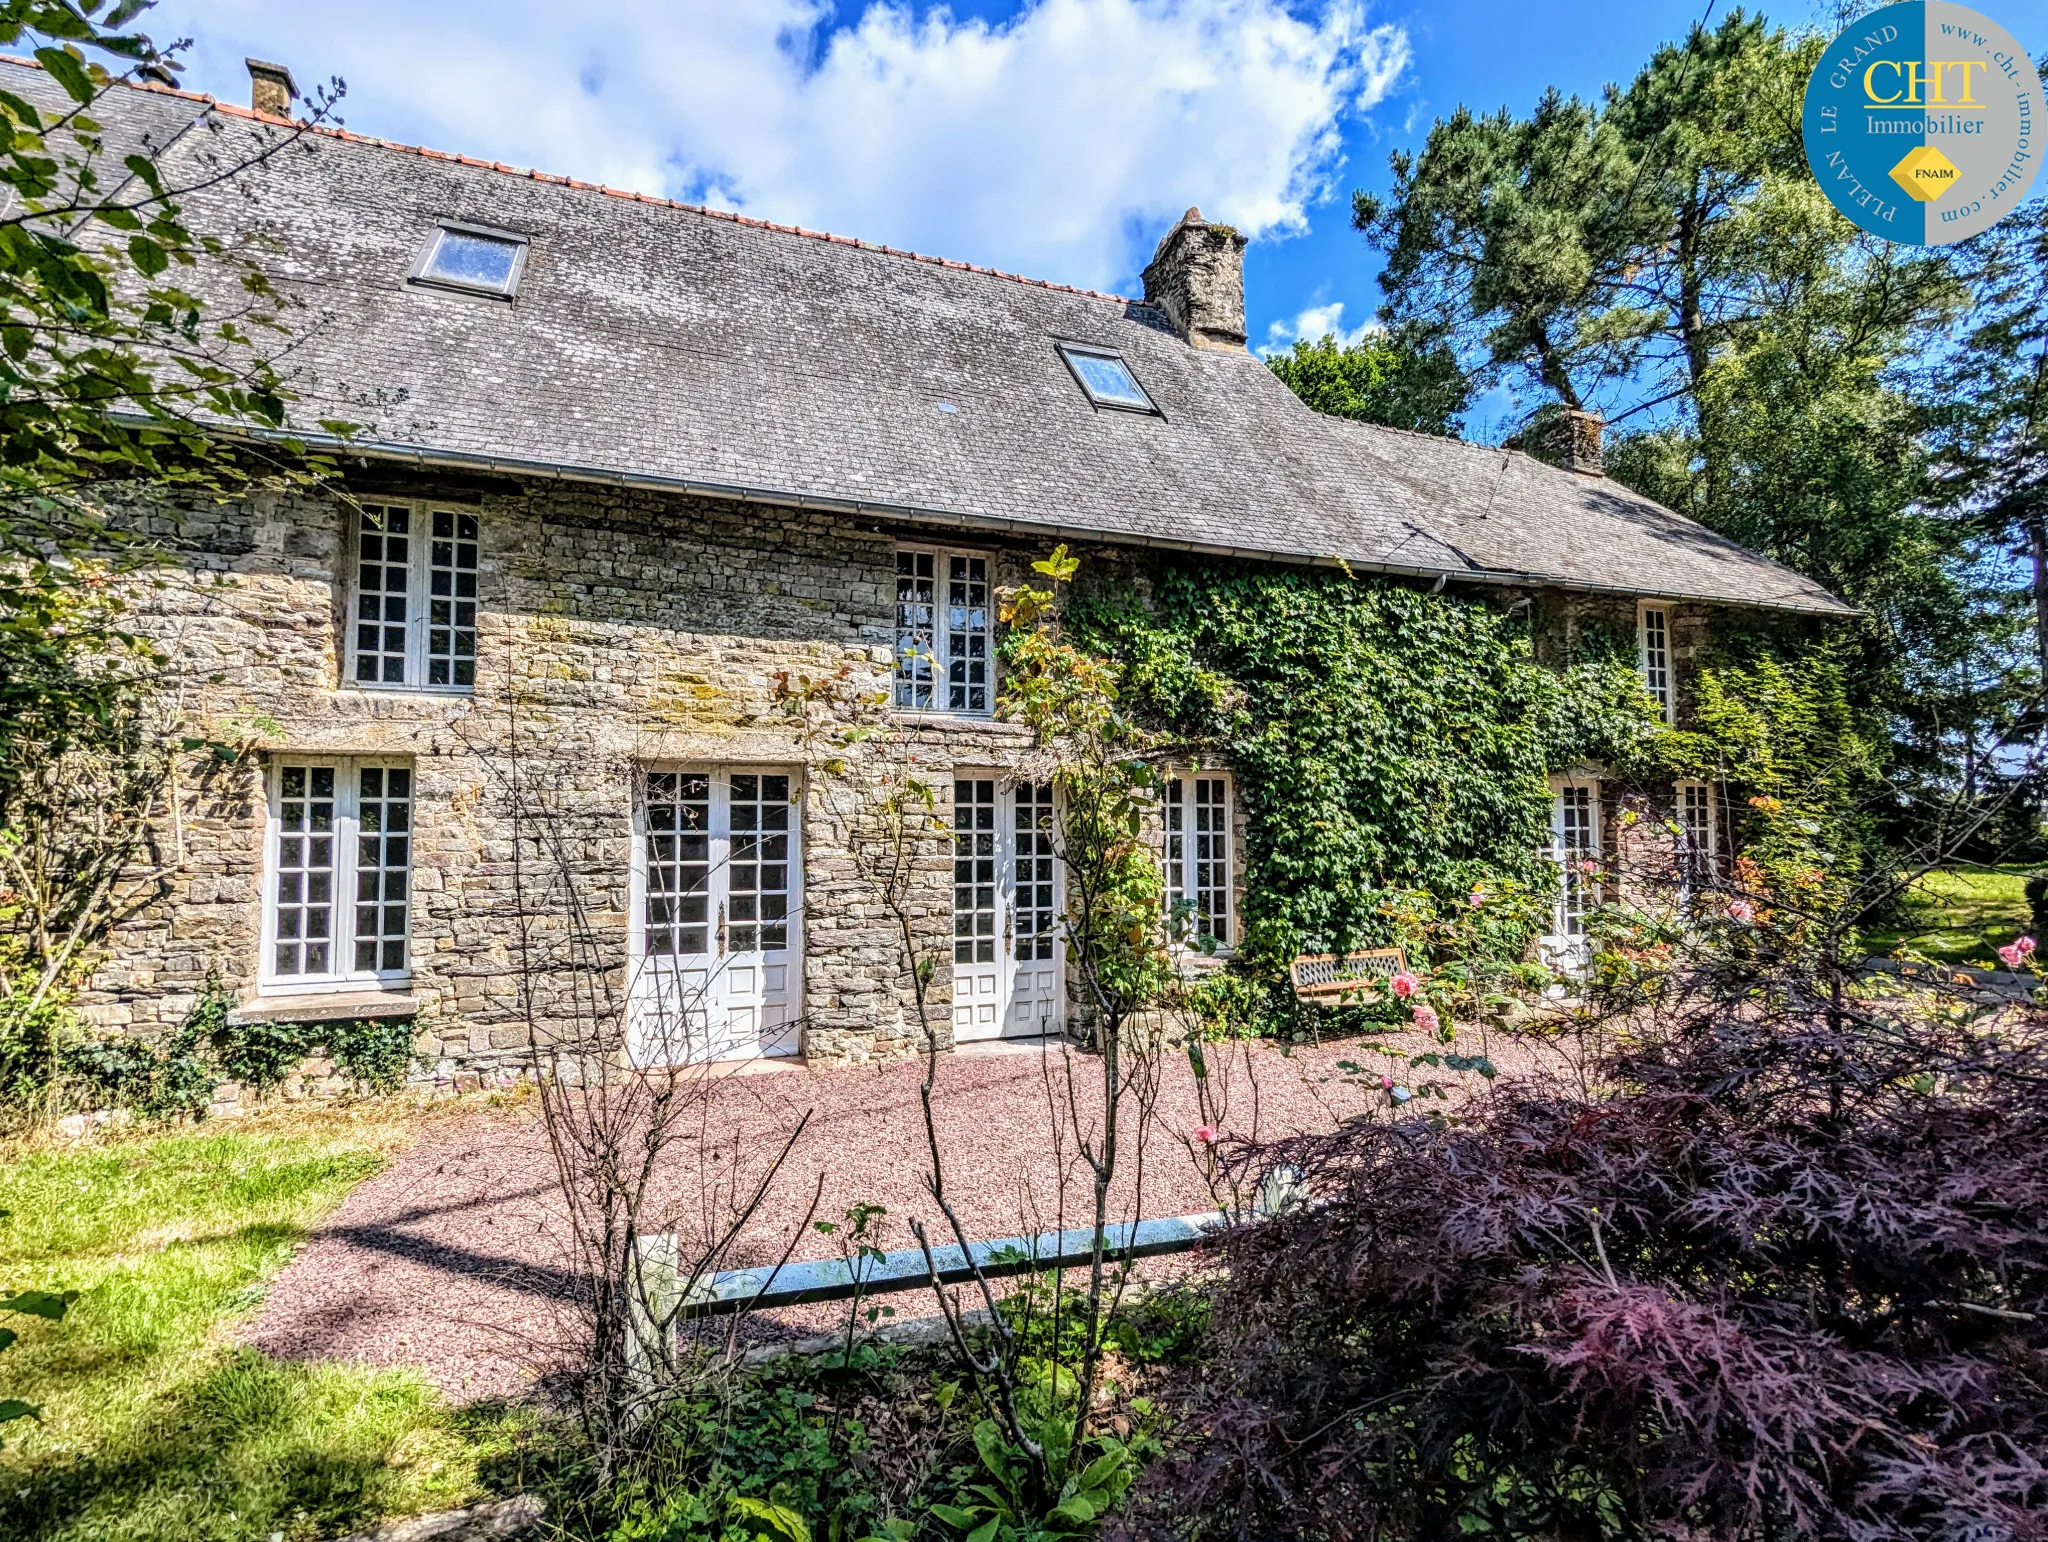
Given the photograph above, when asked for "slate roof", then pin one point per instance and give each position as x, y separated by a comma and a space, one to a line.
663, 345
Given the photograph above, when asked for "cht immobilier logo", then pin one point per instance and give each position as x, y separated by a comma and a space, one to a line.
1924, 122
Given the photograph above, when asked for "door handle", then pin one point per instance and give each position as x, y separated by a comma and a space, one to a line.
721, 928
1010, 931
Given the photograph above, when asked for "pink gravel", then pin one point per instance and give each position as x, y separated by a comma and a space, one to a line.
453, 1259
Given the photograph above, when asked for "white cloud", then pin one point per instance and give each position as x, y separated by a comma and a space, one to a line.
1057, 143
1313, 325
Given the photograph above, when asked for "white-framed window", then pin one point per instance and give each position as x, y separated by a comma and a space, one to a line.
1575, 848
1037, 859
747, 816
1198, 835
944, 632
412, 602
1653, 656
337, 893
1697, 834
1008, 931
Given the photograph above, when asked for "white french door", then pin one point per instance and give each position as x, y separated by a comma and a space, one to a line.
1008, 949
1575, 848
718, 928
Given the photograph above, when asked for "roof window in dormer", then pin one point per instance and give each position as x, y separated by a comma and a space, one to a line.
1105, 378
474, 258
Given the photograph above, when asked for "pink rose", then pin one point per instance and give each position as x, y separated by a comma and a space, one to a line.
1476, 898
1386, 1082
2012, 953
1742, 911
1208, 1135
1588, 865
1426, 1018
1405, 984
2024, 944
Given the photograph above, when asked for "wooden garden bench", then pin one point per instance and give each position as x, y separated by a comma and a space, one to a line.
1338, 979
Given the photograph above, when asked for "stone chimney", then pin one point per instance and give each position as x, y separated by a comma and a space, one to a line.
270, 88
1197, 278
1578, 441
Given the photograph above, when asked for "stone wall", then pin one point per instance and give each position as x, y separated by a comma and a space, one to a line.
1639, 854
617, 630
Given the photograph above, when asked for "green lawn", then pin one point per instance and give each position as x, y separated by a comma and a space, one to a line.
154, 1425
1961, 915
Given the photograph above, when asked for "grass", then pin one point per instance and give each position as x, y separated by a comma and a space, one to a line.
1961, 915
154, 1424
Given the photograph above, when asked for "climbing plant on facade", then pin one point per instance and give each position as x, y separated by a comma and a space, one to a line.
1393, 747
1385, 740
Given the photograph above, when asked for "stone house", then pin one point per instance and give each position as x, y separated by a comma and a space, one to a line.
626, 469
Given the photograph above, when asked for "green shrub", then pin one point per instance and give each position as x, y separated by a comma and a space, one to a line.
162, 1081
158, 1082
377, 1053
28, 1047
261, 1055
1236, 1003
893, 1444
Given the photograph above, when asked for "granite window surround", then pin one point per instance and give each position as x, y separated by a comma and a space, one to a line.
412, 597
337, 874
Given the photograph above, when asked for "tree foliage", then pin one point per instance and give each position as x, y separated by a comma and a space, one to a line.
1989, 425
115, 380
1778, 717
1117, 932
1382, 379
121, 398
1664, 256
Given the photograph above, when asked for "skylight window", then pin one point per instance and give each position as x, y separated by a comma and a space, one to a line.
1106, 379
470, 257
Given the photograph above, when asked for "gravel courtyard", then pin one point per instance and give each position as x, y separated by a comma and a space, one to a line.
453, 1259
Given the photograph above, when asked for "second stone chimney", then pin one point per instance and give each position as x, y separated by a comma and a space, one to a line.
1197, 279
1578, 441
270, 88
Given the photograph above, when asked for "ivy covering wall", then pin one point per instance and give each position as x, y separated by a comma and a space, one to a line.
1776, 714
1392, 747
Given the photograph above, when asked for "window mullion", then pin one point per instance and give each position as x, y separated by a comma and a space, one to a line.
942, 628
347, 840
718, 848
352, 597
1187, 840
418, 587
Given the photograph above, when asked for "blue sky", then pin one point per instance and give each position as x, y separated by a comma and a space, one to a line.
1052, 137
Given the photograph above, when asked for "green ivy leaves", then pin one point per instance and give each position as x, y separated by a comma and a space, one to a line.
1384, 738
